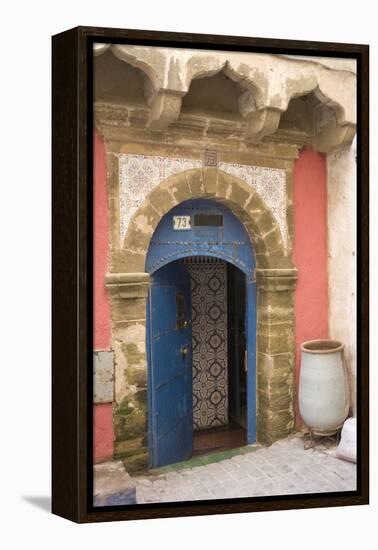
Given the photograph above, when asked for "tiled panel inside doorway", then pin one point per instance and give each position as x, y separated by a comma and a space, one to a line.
209, 340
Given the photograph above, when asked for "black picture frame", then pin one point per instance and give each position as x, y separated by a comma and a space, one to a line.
72, 160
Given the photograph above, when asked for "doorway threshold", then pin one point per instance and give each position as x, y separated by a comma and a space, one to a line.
205, 459
219, 439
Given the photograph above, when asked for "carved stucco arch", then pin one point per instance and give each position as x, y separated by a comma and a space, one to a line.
211, 183
268, 83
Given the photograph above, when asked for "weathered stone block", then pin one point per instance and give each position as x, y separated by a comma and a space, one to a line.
128, 309
128, 447
277, 259
273, 239
275, 386
290, 220
210, 178
146, 219
274, 368
257, 241
137, 462
136, 361
223, 185
136, 375
240, 193
195, 182
268, 299
130, 417
262, 260
112, 485
114, 226
127, 261
276, 400
103, 371
113, 175
266, 222
137, 239
274, 426
274, 314
275, 339
128, 285
272, 280
255, 207
161, 200
181, 192
164, 109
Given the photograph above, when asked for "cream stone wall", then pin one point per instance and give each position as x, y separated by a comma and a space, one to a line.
342, 185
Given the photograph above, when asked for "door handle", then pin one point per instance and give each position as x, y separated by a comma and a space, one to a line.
184, 351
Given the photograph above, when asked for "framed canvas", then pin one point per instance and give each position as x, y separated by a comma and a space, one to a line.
210, 274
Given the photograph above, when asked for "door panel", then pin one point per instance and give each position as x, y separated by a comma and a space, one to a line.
236, 336
170, 366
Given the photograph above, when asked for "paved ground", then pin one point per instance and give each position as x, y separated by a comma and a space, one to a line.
284, 468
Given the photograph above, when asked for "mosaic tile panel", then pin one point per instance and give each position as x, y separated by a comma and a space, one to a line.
209, 342
270, 183
139, 174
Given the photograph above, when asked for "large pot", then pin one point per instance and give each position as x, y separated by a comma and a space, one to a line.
323, 386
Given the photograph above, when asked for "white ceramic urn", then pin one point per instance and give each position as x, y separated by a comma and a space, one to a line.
323, 386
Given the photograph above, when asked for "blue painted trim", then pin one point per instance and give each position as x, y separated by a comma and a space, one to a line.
251, 357
150, 385
230, 242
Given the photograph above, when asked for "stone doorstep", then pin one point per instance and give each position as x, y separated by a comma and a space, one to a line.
112, 485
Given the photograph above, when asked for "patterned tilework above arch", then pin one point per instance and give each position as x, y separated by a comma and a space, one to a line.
270, 183
139, 174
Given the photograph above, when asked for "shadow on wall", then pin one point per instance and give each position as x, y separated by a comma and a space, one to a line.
41, 502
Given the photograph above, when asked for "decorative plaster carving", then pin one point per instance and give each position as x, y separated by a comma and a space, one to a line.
274, 79
139, 174
329, 134
262, 123
165, 108
128, 285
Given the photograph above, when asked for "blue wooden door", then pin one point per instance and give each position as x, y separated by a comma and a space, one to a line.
170, 366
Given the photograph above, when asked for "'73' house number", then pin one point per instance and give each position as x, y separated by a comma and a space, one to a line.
181, 223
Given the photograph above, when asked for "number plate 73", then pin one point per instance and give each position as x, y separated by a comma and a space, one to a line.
181, 223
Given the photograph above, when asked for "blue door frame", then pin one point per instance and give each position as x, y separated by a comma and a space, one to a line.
250, 321
228, 241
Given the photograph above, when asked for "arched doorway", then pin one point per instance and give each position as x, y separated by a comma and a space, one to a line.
129, 284
201, 333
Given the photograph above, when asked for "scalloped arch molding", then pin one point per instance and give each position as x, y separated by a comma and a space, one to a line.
267, 82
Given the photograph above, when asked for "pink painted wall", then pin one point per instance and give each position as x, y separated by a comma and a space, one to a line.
103, 413
101, 306
103, 432
310, 250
